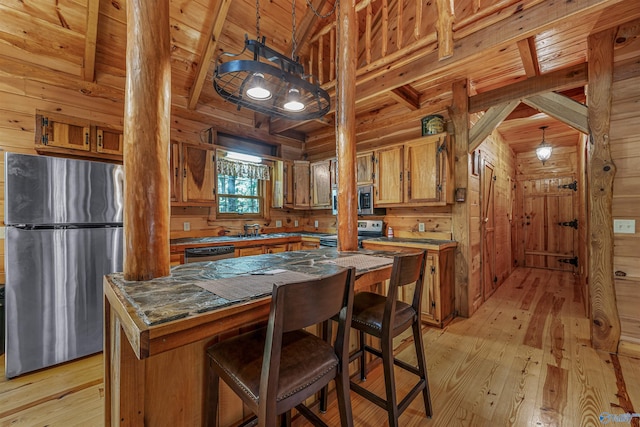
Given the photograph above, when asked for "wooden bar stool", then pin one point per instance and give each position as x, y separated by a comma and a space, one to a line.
277, 368
385, 318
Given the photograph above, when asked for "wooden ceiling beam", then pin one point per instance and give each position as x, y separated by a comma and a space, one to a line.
489, 121
207, 54
89, 61
566, 78
529, 56
562, 108
308, 22
408, 96
523, 110
423, 64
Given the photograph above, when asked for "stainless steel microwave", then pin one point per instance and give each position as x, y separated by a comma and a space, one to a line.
364, 200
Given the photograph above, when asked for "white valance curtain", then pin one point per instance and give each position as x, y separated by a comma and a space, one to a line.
242, 169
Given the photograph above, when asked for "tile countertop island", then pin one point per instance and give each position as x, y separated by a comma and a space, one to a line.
156, 331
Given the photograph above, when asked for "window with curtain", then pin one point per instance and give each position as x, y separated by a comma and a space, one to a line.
240, 187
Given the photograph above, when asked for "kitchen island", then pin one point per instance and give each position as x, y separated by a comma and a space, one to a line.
156, 332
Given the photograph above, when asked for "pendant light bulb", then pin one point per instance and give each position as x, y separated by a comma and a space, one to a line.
543, 152
258, 91
293, 102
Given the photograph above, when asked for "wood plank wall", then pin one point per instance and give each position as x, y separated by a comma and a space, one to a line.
625, 153
21, 97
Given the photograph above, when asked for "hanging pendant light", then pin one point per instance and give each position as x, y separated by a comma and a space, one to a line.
258, 90
270, 83
543, 152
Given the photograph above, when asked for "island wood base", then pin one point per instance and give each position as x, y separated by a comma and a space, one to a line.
155, 375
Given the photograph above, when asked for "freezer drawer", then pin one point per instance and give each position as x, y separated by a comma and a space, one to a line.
54, 293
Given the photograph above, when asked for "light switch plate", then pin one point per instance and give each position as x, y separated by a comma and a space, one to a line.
316, 224
278, 223
186, 226
624, 226
421, 227
295, 223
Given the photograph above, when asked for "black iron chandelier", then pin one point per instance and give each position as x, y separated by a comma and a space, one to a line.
270, 83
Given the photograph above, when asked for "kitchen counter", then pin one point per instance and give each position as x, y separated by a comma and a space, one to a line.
156, 332
179, 245
416, 243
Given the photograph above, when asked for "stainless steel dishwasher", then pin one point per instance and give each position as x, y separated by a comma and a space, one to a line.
211, 253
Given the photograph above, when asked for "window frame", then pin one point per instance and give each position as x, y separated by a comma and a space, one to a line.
261, 197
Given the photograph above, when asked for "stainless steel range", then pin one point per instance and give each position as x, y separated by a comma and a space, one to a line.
367, 229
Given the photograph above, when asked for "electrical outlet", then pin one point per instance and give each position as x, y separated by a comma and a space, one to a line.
186, 226
315, 224
278, 223
421, 227
624, 226
295, 223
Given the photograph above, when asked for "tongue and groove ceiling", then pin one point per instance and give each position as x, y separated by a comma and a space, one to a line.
409, 53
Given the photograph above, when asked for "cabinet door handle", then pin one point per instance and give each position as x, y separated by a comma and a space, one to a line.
100, 138
184, 172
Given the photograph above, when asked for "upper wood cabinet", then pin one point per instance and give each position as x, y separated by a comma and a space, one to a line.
288, 181
416, 173
320, 173
74, 137
193, 177
277, 184
364, 168
389, 176
301, 184
109, 141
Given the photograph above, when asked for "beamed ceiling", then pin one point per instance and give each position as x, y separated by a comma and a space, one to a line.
409, 53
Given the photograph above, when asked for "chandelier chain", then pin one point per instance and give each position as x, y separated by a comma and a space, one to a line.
294, 45
257, 19
318, 14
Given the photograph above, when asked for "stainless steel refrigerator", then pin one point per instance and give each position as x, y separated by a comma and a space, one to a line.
63, 234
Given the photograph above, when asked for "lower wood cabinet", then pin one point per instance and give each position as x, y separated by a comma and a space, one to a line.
438, 297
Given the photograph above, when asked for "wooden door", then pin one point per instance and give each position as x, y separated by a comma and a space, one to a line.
488, 246
364, 168
550, 224
389, 176
301, 184
63, 132
422, 170
430, 292
288, 181
321, 184
277, 184
198, 177
174, 164
109, 141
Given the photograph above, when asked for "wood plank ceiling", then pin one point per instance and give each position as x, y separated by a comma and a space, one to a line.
81, 44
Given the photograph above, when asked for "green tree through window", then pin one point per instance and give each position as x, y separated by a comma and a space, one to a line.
239, 195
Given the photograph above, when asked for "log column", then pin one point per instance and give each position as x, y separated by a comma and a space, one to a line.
146, 140
605, 322
346, 126
459, 113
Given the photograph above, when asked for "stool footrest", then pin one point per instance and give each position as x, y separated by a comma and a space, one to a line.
369, 395
404, 403
310, 416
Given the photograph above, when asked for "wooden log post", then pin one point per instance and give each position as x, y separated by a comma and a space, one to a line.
459, 114
346, 126
605, 323
147, 111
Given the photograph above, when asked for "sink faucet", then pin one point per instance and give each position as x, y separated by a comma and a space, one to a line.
255, 229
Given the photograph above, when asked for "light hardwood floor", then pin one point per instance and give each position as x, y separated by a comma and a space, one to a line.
523, 359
